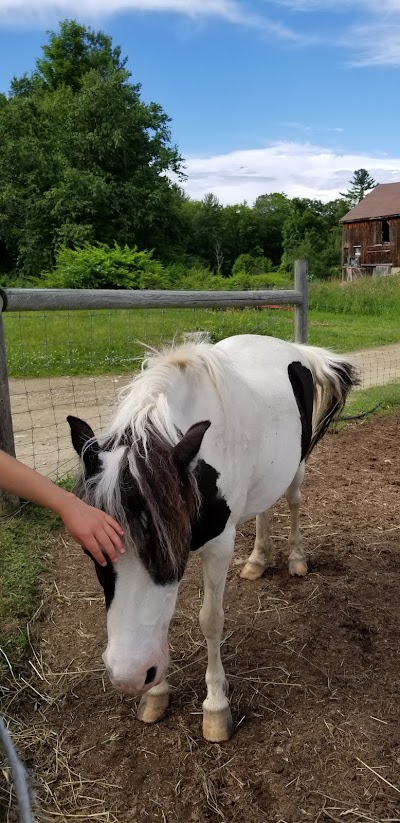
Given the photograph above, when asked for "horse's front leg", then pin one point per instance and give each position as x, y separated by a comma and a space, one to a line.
154, 703
217, 720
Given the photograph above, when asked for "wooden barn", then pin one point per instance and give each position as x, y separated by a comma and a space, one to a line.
371, 234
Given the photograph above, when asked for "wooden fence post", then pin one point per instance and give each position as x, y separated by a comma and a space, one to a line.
7, 501
301, 311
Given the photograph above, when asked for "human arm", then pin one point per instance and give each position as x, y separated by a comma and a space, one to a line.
91, 528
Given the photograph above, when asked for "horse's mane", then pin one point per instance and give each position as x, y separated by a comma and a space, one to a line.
140, 437
144, 407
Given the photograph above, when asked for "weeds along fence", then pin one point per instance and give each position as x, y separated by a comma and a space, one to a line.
71, 351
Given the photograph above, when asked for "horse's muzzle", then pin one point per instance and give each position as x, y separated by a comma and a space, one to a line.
134, 686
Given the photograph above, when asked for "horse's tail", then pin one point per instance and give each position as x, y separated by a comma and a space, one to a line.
333, 377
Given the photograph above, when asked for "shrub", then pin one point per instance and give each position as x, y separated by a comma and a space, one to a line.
248, 264
104, 267
205, 280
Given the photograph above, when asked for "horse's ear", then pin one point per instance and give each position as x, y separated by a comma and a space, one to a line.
185, 451
85, 444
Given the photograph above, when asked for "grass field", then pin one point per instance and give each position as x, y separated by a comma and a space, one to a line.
388, 398
42, 345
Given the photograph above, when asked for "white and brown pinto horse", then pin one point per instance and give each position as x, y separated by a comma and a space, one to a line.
206, 437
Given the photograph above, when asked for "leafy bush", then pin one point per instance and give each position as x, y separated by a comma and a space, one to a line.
17, 280
205, 280
105, 267
249, 264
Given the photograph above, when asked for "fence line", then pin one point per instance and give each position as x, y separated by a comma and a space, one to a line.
53, 300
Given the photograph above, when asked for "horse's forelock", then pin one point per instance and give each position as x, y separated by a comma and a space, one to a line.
171, 500
134, 482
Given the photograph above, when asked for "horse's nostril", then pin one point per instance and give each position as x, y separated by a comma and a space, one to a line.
151, 674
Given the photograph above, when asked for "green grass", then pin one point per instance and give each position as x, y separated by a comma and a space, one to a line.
106, 341
345, 333
378, 296
102, 342
363, 400
24, 540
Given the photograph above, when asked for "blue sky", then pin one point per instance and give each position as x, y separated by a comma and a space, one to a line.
264, 95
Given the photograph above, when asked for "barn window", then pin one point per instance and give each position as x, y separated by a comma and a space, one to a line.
385, 231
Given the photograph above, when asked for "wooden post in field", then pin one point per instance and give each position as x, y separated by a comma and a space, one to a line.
301, 310
7, 502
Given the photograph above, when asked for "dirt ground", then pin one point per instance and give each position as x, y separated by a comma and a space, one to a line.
313, 666
40, 407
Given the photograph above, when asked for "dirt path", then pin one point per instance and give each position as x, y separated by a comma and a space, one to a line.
40, 407
313, 665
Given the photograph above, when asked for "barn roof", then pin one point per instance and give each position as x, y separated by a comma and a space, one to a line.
382, 201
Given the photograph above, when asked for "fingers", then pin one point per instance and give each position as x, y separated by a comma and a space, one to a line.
107, 544
95, 530
112, 529
114, 524
93, 547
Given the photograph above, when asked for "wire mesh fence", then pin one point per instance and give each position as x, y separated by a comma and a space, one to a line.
76, 362
62, 363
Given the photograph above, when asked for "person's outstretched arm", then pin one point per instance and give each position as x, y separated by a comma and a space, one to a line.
93, 529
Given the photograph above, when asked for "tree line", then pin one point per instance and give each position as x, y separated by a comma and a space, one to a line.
85, 164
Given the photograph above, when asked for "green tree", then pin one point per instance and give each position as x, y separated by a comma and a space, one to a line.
273, 210
68, 56
360, 184
202, 238
311, 232
82, 158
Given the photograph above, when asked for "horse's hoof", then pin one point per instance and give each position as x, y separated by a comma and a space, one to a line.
297, 568
252, 571
217, 726
152, 707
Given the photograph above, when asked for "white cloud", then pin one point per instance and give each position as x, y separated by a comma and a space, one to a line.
298, 169
375, 44
372, 34
342, 5
39, 12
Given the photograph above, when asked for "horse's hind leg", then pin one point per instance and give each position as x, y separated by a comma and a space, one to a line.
297, 558
262, 554
154, 703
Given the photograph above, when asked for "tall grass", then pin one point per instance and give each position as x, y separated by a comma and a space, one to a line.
377, 296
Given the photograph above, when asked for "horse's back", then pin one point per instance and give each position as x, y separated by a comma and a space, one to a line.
262, 363
265, 428
260, 351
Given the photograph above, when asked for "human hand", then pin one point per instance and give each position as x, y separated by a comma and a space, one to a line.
93, 529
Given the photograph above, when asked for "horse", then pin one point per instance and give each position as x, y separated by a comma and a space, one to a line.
205, 437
